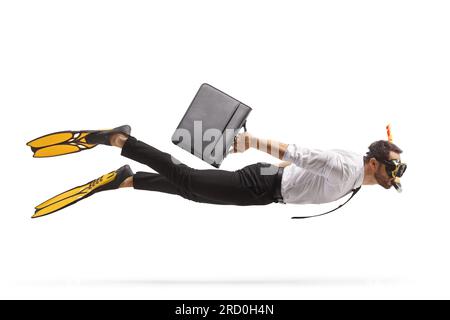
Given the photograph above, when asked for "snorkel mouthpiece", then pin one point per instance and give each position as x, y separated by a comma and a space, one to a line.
397, 185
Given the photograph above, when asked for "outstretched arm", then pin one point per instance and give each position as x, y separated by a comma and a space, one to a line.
246, 141
319, 162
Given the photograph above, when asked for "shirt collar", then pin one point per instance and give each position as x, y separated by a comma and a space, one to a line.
360, 175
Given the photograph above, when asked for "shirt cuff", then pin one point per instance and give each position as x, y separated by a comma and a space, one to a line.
287, 154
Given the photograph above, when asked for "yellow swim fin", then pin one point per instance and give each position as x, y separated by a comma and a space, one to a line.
60, 143
107, 181
66, 142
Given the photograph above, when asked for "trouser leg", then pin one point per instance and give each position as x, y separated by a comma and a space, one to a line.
156, 182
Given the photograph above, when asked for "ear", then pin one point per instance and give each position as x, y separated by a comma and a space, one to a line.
373, 163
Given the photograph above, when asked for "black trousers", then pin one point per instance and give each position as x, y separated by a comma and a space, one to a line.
251, 185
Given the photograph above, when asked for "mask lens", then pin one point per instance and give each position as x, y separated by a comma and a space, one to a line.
401, 170
390, 170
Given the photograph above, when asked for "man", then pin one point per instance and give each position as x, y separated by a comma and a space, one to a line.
304, 176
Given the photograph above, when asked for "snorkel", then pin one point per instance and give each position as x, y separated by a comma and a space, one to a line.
397, 185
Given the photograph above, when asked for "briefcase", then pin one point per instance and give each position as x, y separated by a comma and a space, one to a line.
210, 124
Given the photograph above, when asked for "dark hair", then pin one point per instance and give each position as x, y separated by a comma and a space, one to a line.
380, 150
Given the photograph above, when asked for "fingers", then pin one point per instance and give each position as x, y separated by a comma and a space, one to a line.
239, 143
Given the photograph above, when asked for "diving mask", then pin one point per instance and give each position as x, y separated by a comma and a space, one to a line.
395, 169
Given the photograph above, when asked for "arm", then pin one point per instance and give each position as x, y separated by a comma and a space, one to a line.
316, 161
245, 141
274, 148
313, 160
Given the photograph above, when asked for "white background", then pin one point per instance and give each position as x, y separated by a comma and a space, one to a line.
323, 74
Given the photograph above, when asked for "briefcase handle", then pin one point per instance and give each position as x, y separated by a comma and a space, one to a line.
244, 125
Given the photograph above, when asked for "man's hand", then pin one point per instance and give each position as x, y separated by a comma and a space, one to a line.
242, 142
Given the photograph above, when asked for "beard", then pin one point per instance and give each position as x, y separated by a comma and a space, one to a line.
383, 181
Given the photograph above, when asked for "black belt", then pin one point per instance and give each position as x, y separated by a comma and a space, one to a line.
277, 194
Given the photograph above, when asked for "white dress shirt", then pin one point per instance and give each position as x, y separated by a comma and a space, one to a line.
317, 176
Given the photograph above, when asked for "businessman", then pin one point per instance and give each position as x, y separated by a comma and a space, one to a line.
304, 176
